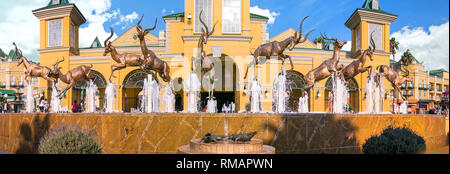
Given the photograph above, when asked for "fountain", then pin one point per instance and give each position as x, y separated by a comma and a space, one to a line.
193, 89
340, 94
91, 92
29, 100
211, 106
55, 104
303, 106
255, 96
404, 107
168, 99
110, 95
374, 94
280, 94
227, 144
150, 100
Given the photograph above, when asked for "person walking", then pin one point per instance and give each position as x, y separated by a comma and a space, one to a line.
5, 106
46, 105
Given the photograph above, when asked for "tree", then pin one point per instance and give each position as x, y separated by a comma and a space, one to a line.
394, 47
407, 58
320, 40
3, 56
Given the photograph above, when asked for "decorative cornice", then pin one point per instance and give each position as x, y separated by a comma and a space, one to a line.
108, 57
341, 60
218, 38
122, 49
318, 51
59, 12
54, 49
363, 15
377, 52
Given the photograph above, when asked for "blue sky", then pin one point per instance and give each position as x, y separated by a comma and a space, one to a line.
325, 15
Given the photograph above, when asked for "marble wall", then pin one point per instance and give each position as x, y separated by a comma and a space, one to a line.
164, 133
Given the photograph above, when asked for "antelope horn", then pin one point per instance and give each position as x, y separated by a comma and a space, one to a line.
57, 62
151, 29
139, 23
301, 28
112, 33
326, 38
203, 22
306, 37
372, 42
17, 50
210, 33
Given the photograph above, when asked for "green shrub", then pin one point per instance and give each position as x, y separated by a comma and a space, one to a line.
395, 141
68, 140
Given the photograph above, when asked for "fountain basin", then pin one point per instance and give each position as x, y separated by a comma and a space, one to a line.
255, 146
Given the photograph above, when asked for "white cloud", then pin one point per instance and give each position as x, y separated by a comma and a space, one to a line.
347, 47
163, 11
430, 46
18, 24
265, 12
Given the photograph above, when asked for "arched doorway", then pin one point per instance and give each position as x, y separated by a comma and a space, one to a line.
294, 87
353, 90
178, 89
132, 86
79, 90
225, 84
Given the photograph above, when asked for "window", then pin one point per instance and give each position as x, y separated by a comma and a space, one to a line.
72, 35
20, 80
55, 2
377, 35
231, 16
54, 33
358, 39
206, 6
13, 80
4, 81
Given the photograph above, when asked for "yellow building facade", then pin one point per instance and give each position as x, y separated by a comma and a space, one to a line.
229, 47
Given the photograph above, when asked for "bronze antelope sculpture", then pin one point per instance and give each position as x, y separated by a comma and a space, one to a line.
357, 66
72, 77
32, 69
209, 65
327, 67
151, 61
277, 48
123, 60
206, 64
392, 76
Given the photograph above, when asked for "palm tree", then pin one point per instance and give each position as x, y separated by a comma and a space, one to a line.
394, 47
407, 58
405, 61
320, 40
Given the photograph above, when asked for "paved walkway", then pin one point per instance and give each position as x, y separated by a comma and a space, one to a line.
443, 150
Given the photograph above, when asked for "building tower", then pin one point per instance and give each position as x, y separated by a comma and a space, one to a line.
370, 18
59, 24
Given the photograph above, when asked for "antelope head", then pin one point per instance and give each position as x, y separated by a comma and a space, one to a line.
205, 34
21, 58
108, 47
54, 73
141, 32
298, 36
336, 43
